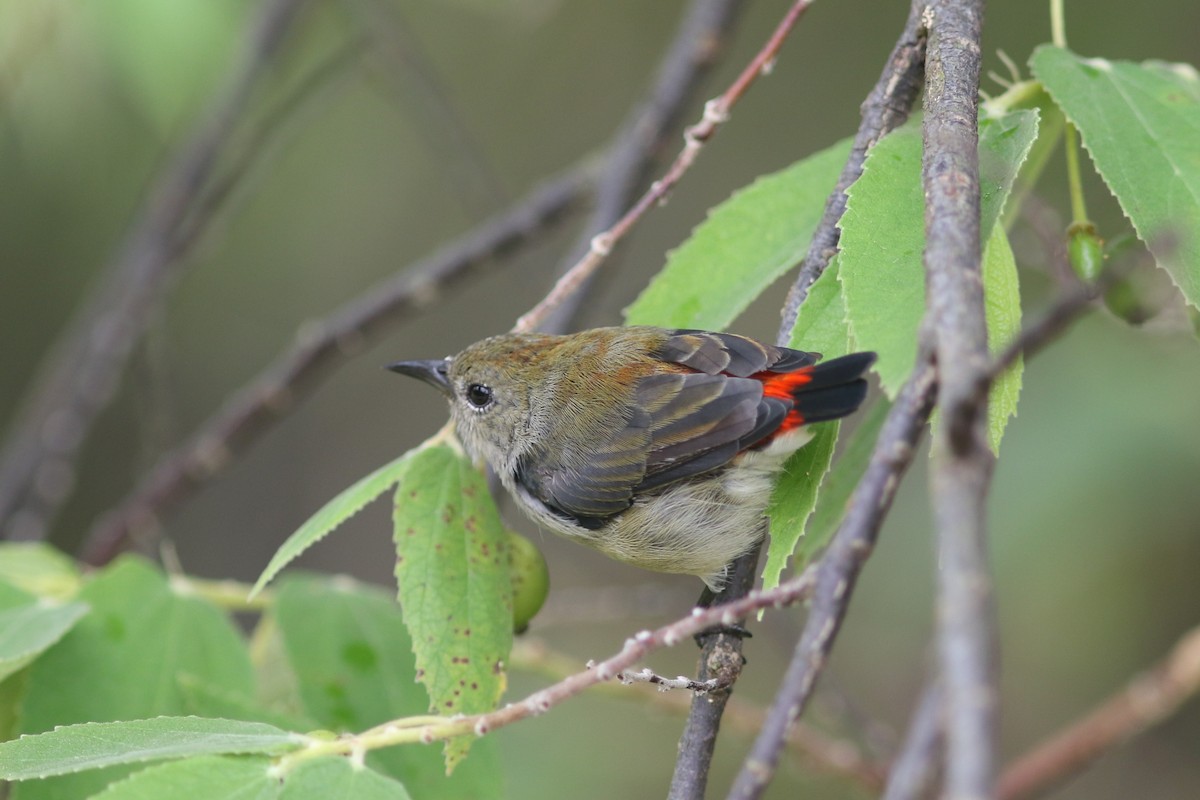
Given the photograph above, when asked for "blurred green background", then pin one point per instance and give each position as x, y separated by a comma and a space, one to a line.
441, 113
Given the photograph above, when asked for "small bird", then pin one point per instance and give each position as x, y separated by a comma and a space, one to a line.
657, 447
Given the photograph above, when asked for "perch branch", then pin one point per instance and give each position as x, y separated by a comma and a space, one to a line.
81, 375
961, 462
887, 107
838, 570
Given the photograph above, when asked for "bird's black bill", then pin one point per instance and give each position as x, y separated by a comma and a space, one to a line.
435, 372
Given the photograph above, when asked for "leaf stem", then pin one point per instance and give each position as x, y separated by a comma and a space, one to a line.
1079, 216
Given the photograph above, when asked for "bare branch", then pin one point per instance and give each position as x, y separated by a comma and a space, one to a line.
319, 346
887, 107
838, 570
962, 463
80, 376
1147, 700
716, 112
833, 756
721, 660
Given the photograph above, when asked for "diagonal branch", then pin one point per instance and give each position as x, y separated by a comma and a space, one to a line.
961, 462
716, 113
887, 107
79, 378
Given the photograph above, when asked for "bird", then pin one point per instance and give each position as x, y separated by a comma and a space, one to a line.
658, 447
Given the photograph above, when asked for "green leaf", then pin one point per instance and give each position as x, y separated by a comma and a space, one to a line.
353, 659
39, 569
1141, 125
341, 508
1002, 301
92, 745
844, 476
28, 630
200, 778
338, 779
883, 235
821, 326
452, 569
124, 661
746, 243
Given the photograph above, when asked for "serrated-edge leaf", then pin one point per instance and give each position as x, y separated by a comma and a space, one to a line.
843, 478
1002, 300
453, 577
743, 245
341, 508
352, 659
1167, 166
883, 235
27, 631
821, 326
93, 745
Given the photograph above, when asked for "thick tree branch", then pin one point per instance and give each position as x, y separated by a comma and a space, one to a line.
81, 374
320, 346
962, 463
887, 107
838, 570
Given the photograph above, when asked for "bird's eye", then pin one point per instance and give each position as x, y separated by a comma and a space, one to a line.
479, 395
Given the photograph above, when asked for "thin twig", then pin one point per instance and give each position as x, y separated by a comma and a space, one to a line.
915, 769
1147, 700
665, 684
716, 112
431, 729
319, 346
961, 462
81, 375
838, 570
702, 31
887, 107
836, 757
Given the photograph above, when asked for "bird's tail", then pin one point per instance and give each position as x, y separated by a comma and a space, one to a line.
829, 390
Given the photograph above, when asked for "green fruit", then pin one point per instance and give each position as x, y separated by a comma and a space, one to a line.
530, 580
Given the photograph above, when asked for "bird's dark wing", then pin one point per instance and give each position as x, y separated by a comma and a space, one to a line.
728, 353
681, 424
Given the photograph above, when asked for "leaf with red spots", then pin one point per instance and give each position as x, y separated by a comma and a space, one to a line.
455, 591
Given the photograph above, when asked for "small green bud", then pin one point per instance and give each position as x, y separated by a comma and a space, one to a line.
1085, 250
530, 580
